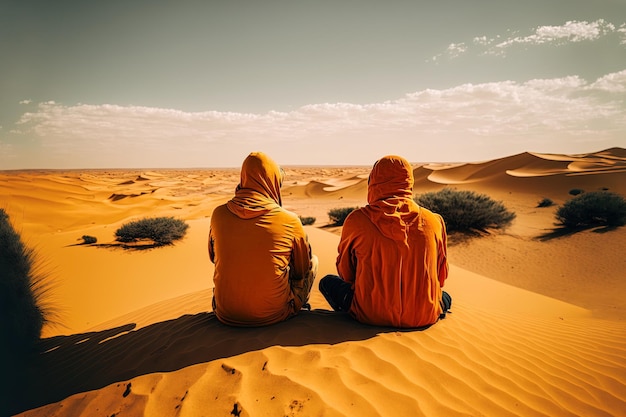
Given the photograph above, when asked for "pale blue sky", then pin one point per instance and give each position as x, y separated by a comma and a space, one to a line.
149, 84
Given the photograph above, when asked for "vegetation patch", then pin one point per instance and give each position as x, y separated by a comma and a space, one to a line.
159, 230
20, 289
595, 208
22, 314
338, 215
545, 202
89, 240
307, 220
466, 211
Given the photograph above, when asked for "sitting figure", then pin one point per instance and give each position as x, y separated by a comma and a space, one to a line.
264, 268
392, 258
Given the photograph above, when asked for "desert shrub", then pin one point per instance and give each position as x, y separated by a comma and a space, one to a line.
593, 208
546, 202
338, 215
465, 211
88, 240
22, 314
21, 317
160, 230
307, 220
576, 191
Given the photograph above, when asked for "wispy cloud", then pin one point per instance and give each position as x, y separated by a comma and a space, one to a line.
570, 32
467, 122
612, 83
456, 49
622, 32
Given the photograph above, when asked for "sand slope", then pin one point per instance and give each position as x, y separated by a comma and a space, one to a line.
538, 323
502, 351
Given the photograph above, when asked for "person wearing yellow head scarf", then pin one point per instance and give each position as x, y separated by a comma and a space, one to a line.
392, 259
264, 268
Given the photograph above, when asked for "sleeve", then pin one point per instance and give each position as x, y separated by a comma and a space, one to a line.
346, 259
211, 245
443, 254
300, 253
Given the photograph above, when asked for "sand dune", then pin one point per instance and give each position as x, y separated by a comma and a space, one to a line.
569, 171
538, 325
482, 360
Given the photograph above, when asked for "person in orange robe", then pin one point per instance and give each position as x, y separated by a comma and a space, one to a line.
392, 259
264, 268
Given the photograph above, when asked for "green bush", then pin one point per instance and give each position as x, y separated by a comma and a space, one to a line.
160, 230
593, 208
21, 317
338, 215
22, 314
307, 220
546, 202
88, 240
466, 211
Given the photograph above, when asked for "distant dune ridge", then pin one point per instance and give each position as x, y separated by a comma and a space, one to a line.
538, 325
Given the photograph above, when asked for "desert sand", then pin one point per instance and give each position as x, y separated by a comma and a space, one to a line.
538, 323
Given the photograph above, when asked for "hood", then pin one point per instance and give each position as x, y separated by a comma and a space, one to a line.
390, 197
258, 191
391, 176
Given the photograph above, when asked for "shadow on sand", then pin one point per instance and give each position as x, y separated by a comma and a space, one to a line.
567, 231
89, 361
128, 246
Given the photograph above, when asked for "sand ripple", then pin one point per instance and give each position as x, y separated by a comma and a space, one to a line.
472, 363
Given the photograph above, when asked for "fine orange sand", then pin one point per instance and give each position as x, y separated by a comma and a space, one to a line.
538, 324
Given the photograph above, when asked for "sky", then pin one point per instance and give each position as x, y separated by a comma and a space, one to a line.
201, 84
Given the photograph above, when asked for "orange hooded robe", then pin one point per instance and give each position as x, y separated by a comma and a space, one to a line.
394, 252
257, 246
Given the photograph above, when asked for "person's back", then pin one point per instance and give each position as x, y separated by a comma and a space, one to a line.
263, 264
393, 254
